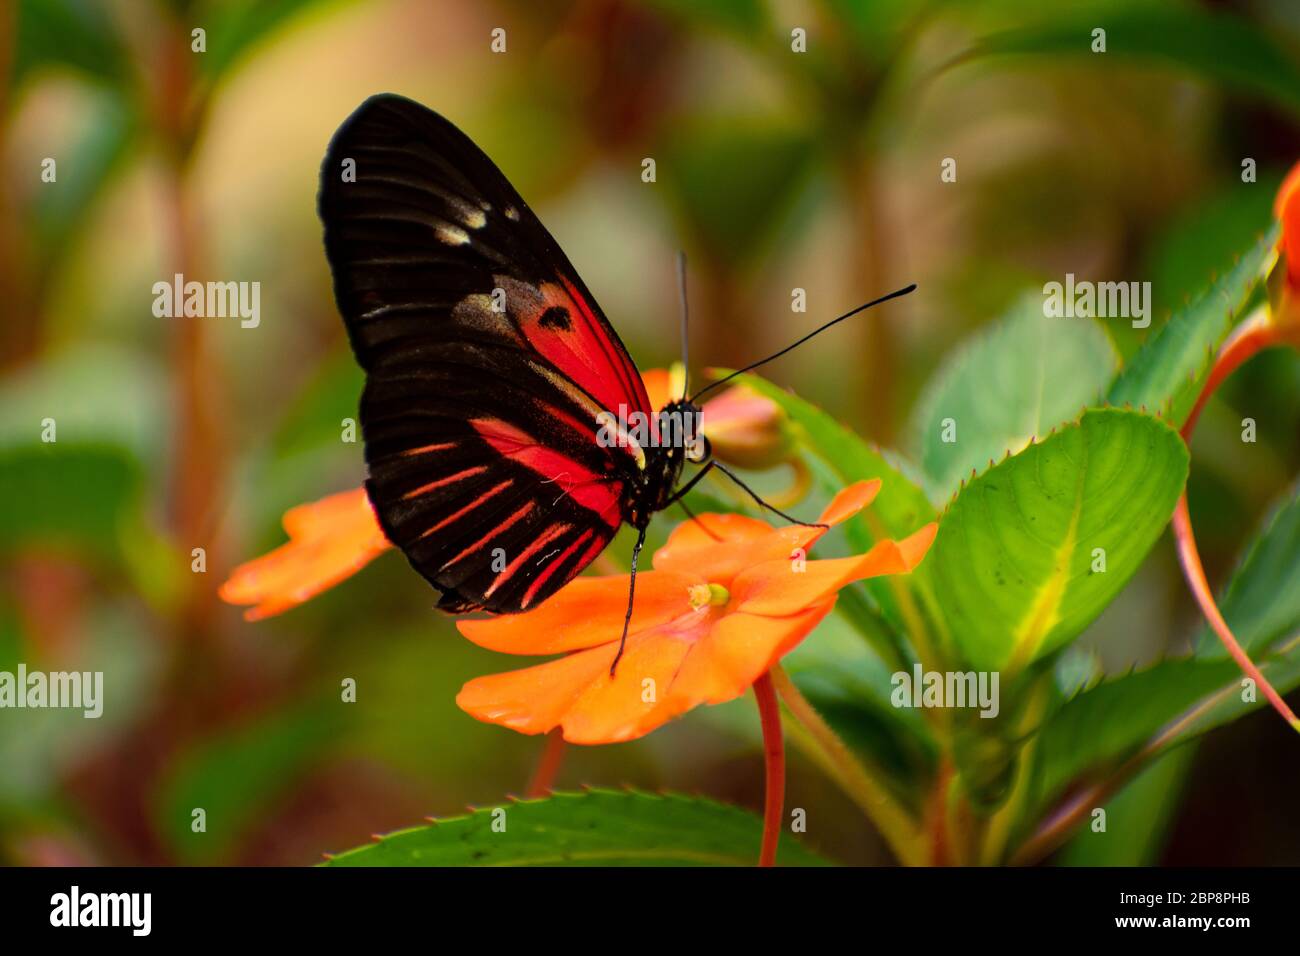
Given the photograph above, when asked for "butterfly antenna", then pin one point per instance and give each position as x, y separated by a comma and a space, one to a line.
763, 504
775, 355
685, 312
631, 592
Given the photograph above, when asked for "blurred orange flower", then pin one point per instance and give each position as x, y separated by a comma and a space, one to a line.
1284, 281
1287, 210
728, 597
329, 540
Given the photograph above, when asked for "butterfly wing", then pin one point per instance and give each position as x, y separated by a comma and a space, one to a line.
487, 362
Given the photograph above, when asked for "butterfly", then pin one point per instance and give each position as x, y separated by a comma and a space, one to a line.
498, 396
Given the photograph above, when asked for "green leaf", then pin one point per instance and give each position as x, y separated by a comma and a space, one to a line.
235, 27
1138, 818
235, 776
1167, 374
1012, 565
1262, 605
85, 489
1014, 382
85, 166
879, 28
744, 18
1109, 721
1217, 46
733, 184
1199, 239
595, 828
67, 497
75, 33
97, 396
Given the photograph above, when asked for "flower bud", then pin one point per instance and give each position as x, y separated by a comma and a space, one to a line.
748, 429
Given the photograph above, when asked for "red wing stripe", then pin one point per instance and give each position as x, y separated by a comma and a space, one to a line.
469, 507
425, 489
589, 555
551, 568
584, 486
527, 553
425, 449
508, 523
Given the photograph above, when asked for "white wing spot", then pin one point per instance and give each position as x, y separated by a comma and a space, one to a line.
452, 235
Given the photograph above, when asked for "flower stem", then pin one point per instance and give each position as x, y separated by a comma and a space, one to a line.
548, 765
1200, 587
1252, 336
769, 714
894, 823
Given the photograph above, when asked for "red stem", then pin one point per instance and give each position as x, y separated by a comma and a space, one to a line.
1250, 338
769, 715
548, 765
1200, 587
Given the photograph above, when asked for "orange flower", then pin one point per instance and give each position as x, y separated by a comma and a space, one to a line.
728, 597
662, 385
329, 540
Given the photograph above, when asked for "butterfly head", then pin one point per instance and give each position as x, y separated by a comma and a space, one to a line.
679, 441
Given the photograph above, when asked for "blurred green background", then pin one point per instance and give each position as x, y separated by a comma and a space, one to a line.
775, 170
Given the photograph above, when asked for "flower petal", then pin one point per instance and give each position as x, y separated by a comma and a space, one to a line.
663, 674
917, 544
658, 386
740, 649
577, 693
707, 531
624, 707
535, 699
586, 612
850, 501
718, 547
777, 588
329, 540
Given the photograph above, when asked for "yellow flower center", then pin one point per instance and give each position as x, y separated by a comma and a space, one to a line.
703, 595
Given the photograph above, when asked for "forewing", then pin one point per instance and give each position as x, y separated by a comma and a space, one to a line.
487, 362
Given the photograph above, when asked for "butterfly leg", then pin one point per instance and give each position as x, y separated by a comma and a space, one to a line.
753, 494
631, 592
691, 516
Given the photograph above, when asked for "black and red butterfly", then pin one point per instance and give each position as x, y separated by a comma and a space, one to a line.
490, 369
